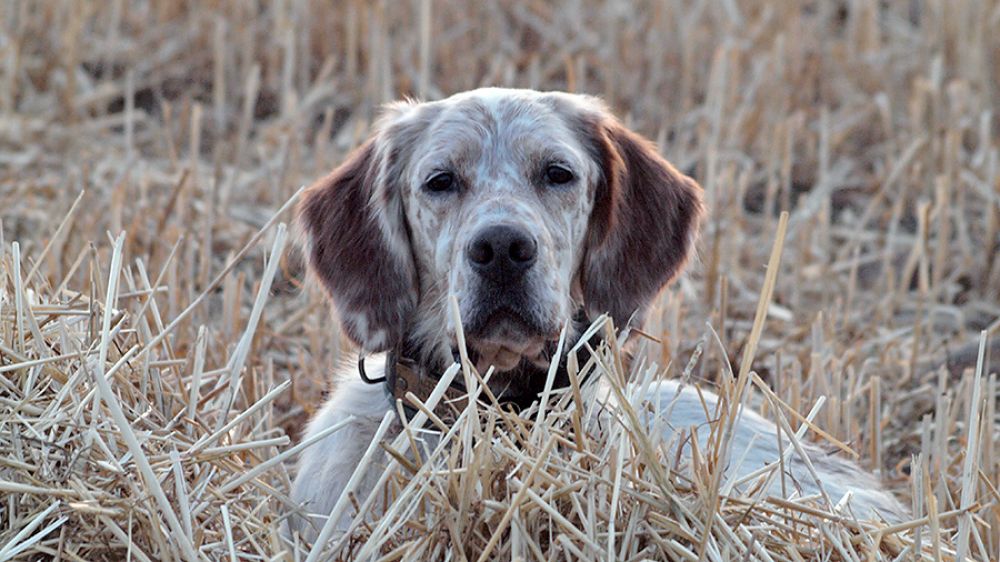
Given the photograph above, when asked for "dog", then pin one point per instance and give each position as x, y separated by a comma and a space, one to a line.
535, 210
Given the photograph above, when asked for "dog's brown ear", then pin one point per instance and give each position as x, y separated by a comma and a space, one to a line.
362, 258
643, 227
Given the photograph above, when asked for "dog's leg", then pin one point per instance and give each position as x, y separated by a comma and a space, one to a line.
326, 466
755, 445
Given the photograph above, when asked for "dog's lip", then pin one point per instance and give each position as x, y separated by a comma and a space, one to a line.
505, 326
528, 348
506, 336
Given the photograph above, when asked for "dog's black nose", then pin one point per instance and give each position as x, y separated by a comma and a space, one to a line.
501, 251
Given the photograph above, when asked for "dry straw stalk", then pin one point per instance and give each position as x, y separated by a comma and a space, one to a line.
153, 386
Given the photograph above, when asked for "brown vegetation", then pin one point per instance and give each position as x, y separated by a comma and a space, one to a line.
152, 384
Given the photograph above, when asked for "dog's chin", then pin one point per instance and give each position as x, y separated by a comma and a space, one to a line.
506, 357
504, 340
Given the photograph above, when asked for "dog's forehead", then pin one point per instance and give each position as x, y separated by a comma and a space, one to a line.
499, 103
501, 122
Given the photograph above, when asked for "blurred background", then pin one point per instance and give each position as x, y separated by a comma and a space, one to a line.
873, 123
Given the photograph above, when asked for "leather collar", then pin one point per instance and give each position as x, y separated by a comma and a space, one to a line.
404, 375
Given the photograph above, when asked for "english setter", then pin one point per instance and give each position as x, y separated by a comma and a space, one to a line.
535, 210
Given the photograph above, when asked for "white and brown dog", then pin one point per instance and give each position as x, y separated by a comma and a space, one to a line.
535, 210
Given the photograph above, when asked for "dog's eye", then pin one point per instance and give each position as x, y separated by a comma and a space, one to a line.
440, 182
558, 175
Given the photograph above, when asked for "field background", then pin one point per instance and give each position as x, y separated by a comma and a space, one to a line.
188, 125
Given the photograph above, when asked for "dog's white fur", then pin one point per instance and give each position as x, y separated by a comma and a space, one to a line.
495, 141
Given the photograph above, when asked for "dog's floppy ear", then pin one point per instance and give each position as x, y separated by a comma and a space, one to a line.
358, 246
644, 223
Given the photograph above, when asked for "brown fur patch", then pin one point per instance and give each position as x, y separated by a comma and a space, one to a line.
645, 220
372, 287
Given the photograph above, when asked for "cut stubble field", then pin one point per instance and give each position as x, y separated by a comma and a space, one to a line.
161, 347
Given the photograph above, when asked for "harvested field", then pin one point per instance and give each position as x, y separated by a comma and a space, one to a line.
161, 348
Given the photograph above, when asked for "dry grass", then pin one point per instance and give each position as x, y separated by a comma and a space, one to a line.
151, 385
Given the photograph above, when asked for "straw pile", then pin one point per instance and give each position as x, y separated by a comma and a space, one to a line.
153, 384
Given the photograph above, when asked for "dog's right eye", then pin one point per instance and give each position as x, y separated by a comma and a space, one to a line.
440, 182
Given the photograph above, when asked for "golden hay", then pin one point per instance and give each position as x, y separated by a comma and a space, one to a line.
152, 386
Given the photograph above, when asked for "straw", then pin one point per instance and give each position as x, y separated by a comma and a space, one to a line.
155, 387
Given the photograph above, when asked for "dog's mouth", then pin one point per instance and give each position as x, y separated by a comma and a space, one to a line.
505, 338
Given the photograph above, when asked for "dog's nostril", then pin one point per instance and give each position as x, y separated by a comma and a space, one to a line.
481, 252
523, 250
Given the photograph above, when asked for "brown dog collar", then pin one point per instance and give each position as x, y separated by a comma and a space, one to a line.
404, 375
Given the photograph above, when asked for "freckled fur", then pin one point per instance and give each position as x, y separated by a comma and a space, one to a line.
389, 254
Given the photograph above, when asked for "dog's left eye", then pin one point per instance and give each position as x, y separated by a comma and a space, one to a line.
558, 175
440, 182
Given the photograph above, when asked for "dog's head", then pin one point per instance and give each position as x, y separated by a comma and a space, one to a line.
533, 209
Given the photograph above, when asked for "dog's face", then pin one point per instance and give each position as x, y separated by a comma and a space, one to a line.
532, 209
497, 206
